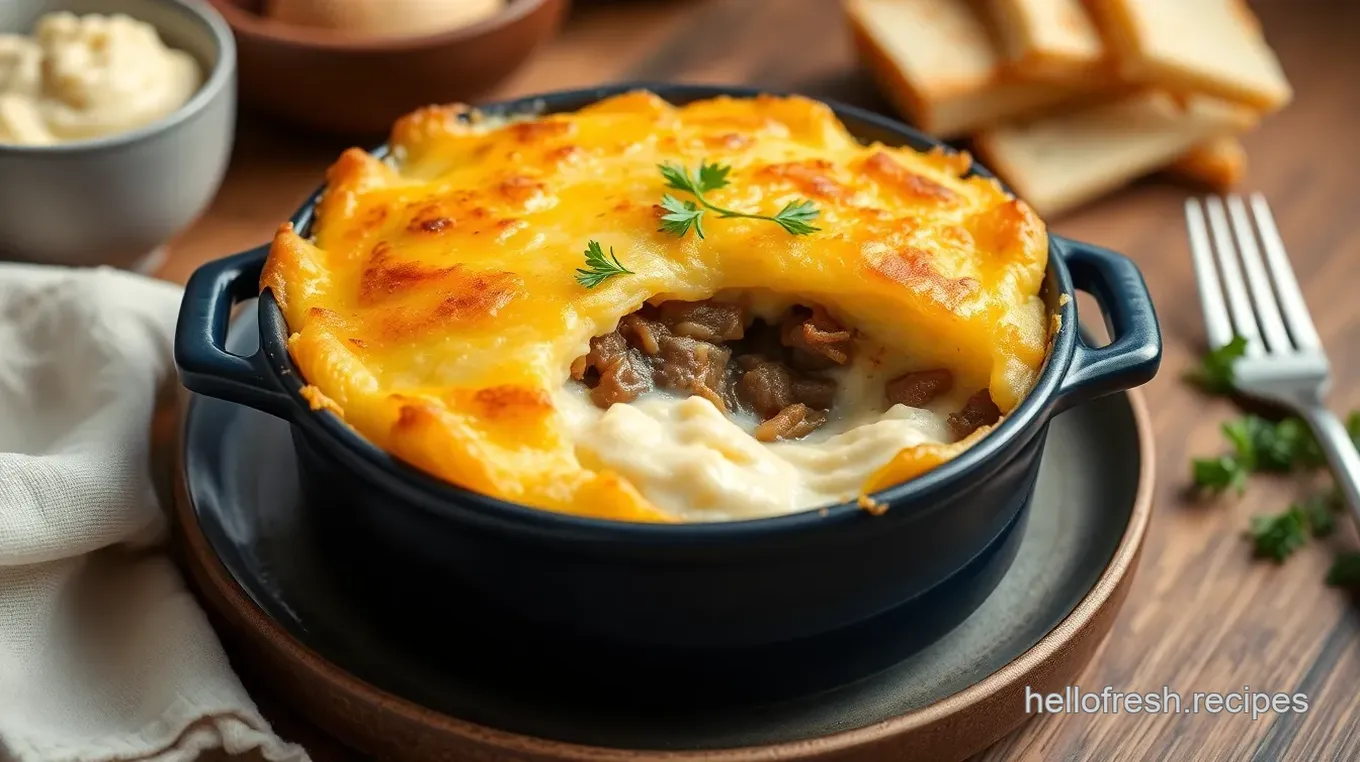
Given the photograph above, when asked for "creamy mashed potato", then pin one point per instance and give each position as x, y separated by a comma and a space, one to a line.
82, 77
701, 464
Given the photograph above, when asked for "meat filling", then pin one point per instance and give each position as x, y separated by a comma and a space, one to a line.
816, 340
776, 372
795, 421
712, 349
713, 322
621, 373
690, 365
977, 412
917, 389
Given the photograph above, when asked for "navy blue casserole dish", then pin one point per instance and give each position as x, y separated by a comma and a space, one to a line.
769, 584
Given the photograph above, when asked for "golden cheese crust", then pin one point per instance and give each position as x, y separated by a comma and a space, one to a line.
436, 310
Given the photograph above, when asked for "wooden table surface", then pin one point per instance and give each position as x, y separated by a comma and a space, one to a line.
1202, 615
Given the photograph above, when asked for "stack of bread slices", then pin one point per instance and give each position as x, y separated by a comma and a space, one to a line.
1069, 99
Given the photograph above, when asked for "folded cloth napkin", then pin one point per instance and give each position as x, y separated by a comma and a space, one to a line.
103, 653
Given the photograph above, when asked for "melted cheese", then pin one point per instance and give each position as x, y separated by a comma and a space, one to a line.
435, 307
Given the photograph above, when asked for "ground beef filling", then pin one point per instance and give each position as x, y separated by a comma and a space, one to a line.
977, 412
776, 372
714, 350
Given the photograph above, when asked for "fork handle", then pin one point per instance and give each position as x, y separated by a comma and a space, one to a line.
1341, 454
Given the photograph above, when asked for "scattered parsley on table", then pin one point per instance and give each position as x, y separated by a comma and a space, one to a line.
1345, 571
1259, 444
1215, 372
1278, 536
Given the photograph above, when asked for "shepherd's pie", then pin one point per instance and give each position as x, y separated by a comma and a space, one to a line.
639, 311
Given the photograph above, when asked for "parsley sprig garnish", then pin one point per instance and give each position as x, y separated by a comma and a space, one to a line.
796, 217
681, 216
599, 268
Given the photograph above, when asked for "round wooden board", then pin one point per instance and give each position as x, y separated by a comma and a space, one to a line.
384, 725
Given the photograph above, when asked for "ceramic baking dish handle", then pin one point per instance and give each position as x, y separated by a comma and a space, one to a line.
1135, 349
205, 365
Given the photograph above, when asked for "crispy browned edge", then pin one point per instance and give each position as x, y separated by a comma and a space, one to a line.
391, 727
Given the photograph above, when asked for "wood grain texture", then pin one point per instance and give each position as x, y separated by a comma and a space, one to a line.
1202, 615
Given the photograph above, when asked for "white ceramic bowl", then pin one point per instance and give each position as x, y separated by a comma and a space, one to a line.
114, 200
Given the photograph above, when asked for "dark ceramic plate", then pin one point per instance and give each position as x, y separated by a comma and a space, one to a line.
241, 483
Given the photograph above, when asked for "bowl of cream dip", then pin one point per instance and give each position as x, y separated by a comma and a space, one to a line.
116, 125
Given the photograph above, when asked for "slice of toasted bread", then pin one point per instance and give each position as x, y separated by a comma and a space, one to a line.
937, 61
1219, 164
1213, 47
1053, 40
1059, 162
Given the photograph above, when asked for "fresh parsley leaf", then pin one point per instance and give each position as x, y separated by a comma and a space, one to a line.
1353, 426
712, 176
1244, 433
1268, 446
1260, 445
1293, 441
677, 177
1278, 536
1215, 372
681, 216
1319, 510
1345, 571
599, 268
796, 216
1215, 475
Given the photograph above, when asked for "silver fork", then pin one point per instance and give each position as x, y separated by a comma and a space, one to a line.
1284, 362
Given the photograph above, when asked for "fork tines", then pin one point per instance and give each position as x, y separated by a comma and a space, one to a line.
1266, 307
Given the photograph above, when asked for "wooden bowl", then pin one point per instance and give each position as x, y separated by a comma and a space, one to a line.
356, 84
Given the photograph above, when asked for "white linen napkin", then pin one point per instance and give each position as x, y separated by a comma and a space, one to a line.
103, 653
